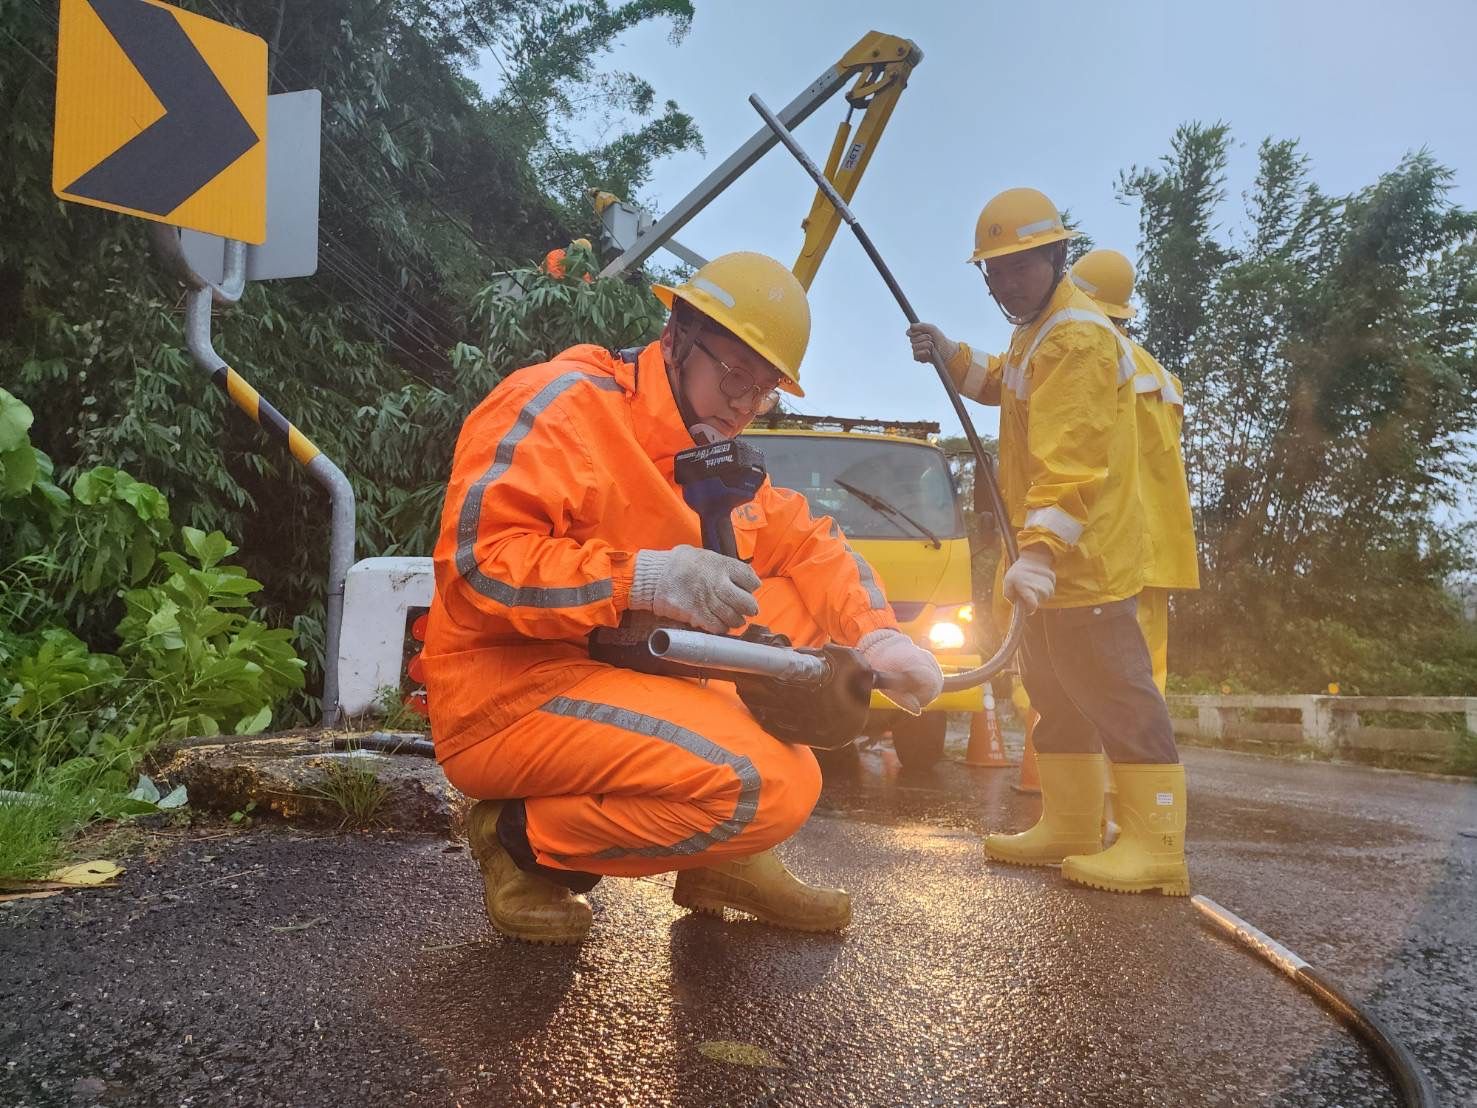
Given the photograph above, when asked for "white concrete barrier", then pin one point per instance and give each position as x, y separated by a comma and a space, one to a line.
1327, 723
380, 597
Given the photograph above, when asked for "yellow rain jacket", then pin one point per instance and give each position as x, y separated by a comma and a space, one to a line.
1165, 490
1068, 446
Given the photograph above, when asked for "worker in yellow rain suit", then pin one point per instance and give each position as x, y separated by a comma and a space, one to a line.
1107, 277
563, 515
1069, 477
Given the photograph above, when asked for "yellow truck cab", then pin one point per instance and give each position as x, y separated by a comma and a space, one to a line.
889, 489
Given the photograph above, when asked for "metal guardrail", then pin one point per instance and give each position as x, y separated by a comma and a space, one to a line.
1326, 723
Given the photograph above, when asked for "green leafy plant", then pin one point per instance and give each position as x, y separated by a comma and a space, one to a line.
213, 665
75, 721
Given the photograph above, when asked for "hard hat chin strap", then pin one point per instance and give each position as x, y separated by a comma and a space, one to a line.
687, 326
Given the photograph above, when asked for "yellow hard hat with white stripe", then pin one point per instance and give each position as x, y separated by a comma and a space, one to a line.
757, 299
1017, 220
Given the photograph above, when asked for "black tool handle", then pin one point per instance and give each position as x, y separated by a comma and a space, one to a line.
718, 533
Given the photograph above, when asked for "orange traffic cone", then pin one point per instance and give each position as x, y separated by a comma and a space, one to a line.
986, 746
1030, 781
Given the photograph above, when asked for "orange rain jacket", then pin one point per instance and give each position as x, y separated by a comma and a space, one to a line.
560, 477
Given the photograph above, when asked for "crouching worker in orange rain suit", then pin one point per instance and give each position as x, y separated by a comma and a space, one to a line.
562, 515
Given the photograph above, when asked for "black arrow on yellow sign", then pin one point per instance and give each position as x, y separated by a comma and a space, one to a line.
200, 134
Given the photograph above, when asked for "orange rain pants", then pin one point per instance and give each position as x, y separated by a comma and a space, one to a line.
627, 774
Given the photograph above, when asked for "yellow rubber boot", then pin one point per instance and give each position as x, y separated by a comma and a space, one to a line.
1071, 814
1150, 851
762, 887
522, 905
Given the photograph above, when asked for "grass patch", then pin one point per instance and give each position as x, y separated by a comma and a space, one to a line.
33, 835
352, 786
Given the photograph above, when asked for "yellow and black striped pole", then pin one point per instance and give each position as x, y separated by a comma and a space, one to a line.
273, 422
198, 303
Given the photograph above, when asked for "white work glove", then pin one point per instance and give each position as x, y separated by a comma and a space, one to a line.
698, 587
926, 338
1030, 580
891, 652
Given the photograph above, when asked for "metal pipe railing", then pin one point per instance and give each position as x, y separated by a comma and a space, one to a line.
200, 299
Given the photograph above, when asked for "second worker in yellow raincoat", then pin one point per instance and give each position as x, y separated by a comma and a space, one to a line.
1069, 473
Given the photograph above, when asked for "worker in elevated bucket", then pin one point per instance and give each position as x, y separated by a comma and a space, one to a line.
1070, 478
562, 515
1107, 277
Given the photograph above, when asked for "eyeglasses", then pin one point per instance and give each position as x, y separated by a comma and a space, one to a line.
736, 384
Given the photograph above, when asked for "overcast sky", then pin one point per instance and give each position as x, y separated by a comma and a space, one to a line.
1055, 96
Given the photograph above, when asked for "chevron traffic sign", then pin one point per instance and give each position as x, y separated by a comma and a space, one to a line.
162, 114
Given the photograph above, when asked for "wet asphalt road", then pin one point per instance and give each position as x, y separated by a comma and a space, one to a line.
276, 968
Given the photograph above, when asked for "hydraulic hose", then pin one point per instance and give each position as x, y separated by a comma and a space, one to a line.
388, 742
1411, 1082
985, 464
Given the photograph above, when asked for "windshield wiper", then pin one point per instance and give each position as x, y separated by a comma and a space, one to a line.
876, 503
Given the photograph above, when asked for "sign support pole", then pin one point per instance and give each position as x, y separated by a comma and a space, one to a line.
202, 296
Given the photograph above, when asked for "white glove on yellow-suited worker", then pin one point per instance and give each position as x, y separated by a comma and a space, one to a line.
1030, 580
695, 586
890, 651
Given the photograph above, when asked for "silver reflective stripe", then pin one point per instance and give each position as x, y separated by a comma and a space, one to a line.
864, 571
1058, 522
1157, 379
1127, 364
1014, 379
1026, 230
869, 581
717, 292
693, 743
1066, 315
468, 521
1085, 285
975, 381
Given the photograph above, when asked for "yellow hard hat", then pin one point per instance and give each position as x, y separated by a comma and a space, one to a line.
1107, 277
1017, 220
759, 300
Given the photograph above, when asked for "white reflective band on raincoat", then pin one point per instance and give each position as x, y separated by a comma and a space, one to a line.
1058, 522
975, 380
1015, 374
1152, 381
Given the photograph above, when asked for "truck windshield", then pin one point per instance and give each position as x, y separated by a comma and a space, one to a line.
873, 489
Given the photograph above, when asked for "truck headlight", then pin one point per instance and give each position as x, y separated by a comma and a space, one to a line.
946, 635
950, 627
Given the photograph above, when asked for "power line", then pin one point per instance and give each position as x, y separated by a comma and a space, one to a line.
432, 326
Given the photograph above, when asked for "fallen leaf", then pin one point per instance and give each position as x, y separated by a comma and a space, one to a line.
736, 1054
86, 873
7, 897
